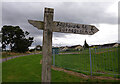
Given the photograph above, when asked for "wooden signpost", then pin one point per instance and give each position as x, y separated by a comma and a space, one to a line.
48, 26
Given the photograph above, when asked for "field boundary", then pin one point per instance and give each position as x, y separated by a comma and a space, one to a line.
97, 61
83, 75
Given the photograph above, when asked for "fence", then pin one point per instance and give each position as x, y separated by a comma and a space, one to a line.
92, 61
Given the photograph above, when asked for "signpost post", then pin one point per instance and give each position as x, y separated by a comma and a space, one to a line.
48, 26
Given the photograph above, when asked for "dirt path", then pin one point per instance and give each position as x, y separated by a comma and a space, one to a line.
82, 75
12, 57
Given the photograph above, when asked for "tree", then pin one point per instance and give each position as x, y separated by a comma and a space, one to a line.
15, 37
38, 47
85, 45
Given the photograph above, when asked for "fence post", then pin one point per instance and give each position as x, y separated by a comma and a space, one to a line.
95, 59
95, 51
90, 62
53, 57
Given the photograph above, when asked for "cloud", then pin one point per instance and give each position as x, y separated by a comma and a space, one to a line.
86, 13
17, 13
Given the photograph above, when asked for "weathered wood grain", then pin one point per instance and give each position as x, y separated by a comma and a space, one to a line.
37, 24
65, 27
47, 45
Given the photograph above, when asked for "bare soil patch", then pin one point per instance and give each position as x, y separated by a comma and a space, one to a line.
83, 75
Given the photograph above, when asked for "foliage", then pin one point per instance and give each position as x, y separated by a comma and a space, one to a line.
15, 37
85, 45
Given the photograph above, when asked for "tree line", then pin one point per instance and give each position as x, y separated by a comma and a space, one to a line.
15, 38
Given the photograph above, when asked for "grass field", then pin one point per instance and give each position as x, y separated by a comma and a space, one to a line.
104, 61
28, 69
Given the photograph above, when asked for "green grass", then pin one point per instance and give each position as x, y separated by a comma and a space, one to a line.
103, 61
0, 72
28, 69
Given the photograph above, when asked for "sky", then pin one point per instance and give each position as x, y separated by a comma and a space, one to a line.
104, 15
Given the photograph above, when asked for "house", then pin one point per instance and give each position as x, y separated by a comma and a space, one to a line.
78, 47
116, 45
109, 45
65, 48
72, 48
38, 47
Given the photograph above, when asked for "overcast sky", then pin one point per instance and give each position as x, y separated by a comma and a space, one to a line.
104, 15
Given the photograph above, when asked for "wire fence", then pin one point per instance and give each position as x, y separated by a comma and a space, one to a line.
92, 61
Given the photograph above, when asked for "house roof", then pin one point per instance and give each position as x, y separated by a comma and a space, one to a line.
74, 46
105, 45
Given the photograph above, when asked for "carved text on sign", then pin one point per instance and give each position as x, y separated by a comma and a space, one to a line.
75, 28
65, 27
